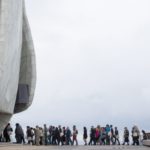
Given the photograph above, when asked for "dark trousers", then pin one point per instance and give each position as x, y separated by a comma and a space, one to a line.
20, 139
117, 140
113, 138
61, 140
126, 140
107, 140
92, 141
68, 141
135, 140
50, 139
7, 138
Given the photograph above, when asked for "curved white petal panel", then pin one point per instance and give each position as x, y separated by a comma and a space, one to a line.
17, 59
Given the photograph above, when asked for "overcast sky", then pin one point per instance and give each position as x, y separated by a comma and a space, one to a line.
93, 62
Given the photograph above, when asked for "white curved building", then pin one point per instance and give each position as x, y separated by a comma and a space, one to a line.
17, 60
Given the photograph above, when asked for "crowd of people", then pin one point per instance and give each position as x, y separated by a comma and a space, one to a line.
52, 135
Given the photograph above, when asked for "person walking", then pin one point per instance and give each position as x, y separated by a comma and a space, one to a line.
61, 134
126, 136
41, 136
50, 135
30, 135
7, 132
45, 135
112, 135
103, 136
75, 133
116, 135
97, 135
37, 136
68, 137
135, 135
92, 136
85, 135
64, 135
19, 134
57, 136
108, 134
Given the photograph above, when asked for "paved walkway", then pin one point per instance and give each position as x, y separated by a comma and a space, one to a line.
25, 147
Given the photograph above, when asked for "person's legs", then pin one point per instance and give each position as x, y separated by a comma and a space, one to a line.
23, 139
118, 141
103, 141
45, 140
67, 141
123, 142
115, 140
134, 140
37, 140
127, 140
112, 140
50, 139
40, 140
55, 143
58, 140
76, 142
29, 140
90, 142
6, 138
70, 141
16, 137
107, 140
137, 140
19, 139
85, 142
94, 141
61, 140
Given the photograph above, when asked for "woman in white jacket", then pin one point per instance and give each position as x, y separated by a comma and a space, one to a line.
135, 135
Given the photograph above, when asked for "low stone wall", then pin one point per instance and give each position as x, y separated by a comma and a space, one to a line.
146, 142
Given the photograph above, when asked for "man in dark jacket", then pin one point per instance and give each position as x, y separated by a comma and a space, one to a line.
45, 135
126, 136
19, 134
30, 135
92, 136
68, 136
7, 132
117, 136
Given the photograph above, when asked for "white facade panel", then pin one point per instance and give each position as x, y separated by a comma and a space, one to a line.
17, 58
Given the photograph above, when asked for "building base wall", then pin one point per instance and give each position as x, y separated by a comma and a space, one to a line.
4, 119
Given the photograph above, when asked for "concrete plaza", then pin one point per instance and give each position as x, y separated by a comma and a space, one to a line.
26, 147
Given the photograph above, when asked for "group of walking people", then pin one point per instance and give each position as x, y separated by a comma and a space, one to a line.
110, 136
8, 131
52, 135
103, 136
